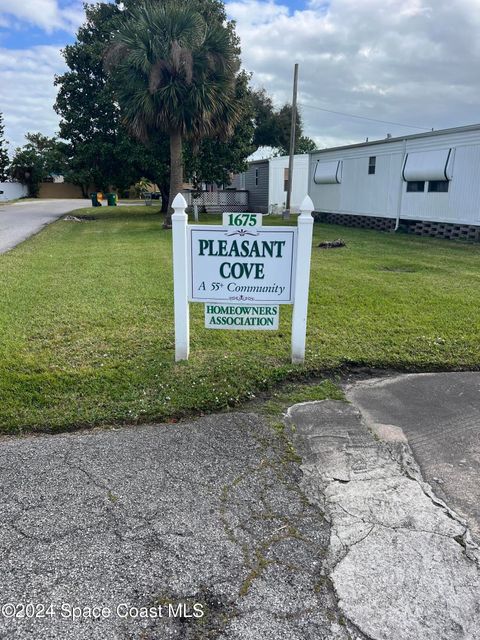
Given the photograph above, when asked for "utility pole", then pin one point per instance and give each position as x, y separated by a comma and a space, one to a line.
293, 127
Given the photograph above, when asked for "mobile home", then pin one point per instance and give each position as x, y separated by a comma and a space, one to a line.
267, 180
255, 181
427, 182
278, 181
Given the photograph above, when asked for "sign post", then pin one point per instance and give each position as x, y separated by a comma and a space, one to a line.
180, 278
302, 280
242, 271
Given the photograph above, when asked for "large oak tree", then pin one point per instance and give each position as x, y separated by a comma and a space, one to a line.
100, 151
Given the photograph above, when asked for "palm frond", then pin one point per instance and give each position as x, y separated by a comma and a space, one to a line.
174, 72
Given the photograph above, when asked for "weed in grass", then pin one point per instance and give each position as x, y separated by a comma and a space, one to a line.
291, 394
112, 497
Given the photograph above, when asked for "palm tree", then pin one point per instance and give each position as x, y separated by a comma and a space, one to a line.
175, 73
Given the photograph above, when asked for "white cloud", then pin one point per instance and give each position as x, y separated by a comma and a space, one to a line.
28, 94
407, 61
255, 12
49, 15
27, 75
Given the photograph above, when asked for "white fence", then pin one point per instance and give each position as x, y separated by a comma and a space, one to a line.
12, 191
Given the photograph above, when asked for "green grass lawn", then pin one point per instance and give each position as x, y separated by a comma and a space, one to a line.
87, 337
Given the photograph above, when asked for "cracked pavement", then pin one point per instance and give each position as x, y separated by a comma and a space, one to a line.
208, 511
320, 528
439, 414
403, 565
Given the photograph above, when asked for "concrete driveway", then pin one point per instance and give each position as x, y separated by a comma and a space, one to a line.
402, 562
439, 414
20, 220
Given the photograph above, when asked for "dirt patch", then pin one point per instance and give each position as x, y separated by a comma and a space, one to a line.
334, 244
398, 269
79, 218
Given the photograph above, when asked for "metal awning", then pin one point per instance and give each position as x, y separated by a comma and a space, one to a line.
328, 172
428, 165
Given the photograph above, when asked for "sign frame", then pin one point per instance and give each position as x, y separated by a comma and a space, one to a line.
181, 270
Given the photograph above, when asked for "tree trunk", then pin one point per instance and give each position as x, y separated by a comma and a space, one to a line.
176, 173
165, 191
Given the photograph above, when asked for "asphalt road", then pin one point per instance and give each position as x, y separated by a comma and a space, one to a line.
121, 533
133, 519
440, 416
20, 220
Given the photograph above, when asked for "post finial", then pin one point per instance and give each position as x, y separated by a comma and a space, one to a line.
179, 202
307, 206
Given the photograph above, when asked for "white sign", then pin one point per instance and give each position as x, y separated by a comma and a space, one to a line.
241, 316
242, 262
241, 265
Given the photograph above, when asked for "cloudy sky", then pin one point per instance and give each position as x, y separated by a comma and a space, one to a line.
403, 62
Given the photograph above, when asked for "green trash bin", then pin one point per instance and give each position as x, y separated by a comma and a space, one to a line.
112, 199
95, 202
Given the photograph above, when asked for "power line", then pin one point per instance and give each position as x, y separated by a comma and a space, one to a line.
351, 115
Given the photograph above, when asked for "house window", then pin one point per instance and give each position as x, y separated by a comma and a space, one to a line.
416, 186
256, 177
372, 161
438, 186
285, 179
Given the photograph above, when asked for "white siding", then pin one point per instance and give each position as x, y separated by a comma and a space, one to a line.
371, 193
276, 194
12, 191
384, 193
361, 193
465, 185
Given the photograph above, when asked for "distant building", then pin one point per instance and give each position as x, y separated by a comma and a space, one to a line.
255, 180
266, 182
278, 181
12, 191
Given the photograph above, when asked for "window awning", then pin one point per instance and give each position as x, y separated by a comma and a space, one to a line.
428, 165
328, 172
